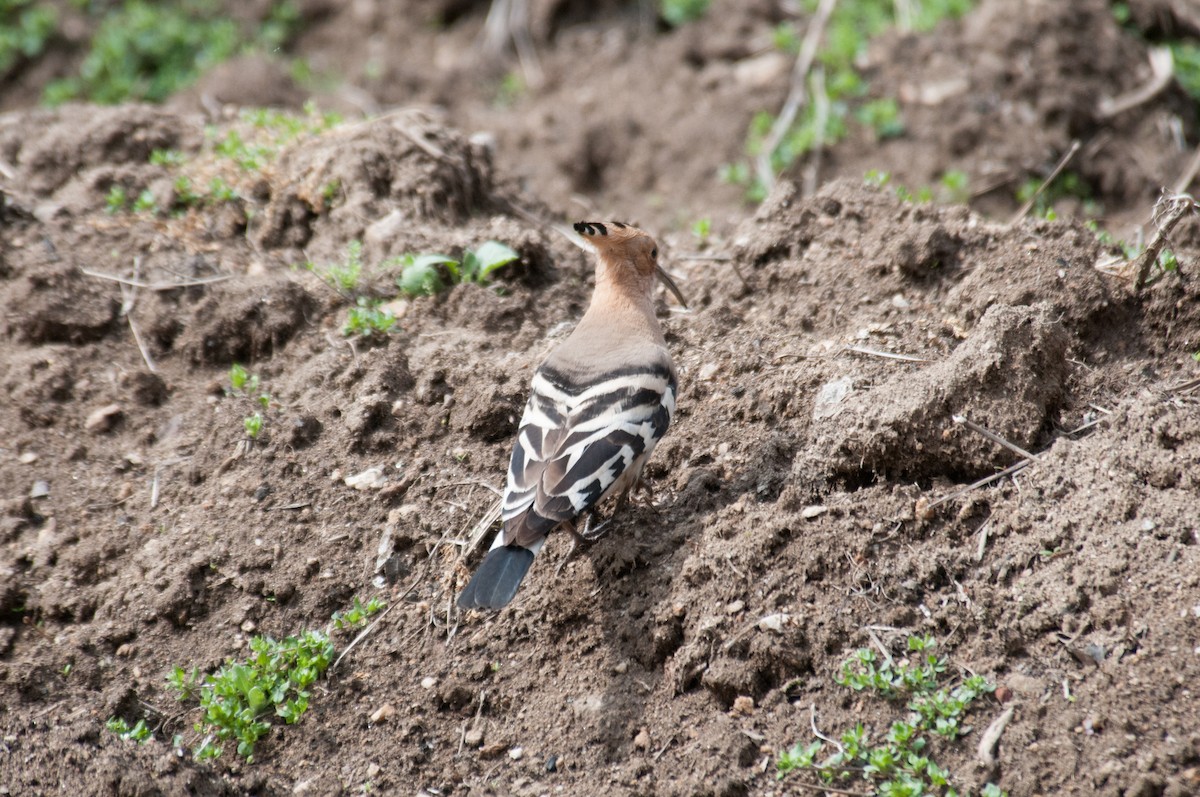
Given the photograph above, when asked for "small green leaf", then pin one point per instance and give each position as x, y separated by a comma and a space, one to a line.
492, 255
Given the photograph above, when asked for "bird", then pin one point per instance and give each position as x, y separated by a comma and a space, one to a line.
598, 405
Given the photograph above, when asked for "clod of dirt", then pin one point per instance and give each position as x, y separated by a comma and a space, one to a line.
245, 322
405, 163
77, 137
58, 305
1008, 376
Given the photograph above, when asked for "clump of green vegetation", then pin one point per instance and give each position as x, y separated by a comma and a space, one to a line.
147, 51
139, 733
952, 187
882, 116
1067, 184
681, 12
366, 320
117, 199
896, 763
702, 229
851, 26
428, 274
241, 699
25, 27
343, 277
245, 384
358, 614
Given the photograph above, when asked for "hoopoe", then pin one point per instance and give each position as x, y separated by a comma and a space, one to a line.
599, 404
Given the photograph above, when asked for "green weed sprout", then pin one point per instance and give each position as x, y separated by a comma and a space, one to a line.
342, 277
241, 380
358, 614
366, 320
882, 116
24, 31
896, 763
139, 733
680, 12
254, 425
116, 199
239, 699
422, 275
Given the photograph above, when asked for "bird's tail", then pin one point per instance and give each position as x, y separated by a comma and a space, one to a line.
495, 582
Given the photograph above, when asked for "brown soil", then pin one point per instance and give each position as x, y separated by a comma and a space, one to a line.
139, 530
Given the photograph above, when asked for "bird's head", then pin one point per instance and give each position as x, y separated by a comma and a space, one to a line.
630, 255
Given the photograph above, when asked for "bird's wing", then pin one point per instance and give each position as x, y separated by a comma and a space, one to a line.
577, 438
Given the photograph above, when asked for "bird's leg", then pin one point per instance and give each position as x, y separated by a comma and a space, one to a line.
576, 540
592, 534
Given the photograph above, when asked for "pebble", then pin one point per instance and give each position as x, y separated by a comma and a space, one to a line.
382, 714
642, 740
735, 607
812, 512
428, 682
516, 753
473, 737
707, 371
103, 419
373, 770
743, 705
27, 458
40, 489
369, 479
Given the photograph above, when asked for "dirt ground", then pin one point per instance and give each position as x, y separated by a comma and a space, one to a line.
807, 477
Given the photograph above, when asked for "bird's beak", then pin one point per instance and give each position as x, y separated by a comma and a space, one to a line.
671, 286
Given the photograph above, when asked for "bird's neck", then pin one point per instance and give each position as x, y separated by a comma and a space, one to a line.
621, 301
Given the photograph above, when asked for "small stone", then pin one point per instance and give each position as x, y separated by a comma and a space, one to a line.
1149, 525
1003, 694
621, 667
642, 740
40, 489
473, 737
369, 479
813, 512
516, 753
899, 302
743, 706
382, 714
103, 419
248, 627
707, 371
492, 750
735, 607
27, 458
373, 770
428, 682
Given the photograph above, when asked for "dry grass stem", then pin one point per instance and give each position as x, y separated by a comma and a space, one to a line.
1062, 164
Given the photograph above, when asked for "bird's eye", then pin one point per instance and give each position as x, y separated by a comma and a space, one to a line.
654, 253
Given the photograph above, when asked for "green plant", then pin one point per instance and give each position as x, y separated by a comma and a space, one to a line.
148, 50
897, 762
851, 26
253, 424
356, 616
342, 277
239, 699
242, 380
422, 275
366, 320
24, 30
167, 157
116, 199
1066, 184
145, 202
702, 228
681, 12
882, 116
139, 733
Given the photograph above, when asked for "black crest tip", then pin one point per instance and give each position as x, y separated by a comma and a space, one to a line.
590, 228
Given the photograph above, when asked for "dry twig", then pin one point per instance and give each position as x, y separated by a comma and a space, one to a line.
797, 94
1062, 164
1168, 212
1162, 68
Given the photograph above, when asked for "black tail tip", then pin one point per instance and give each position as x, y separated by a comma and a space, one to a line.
495, 582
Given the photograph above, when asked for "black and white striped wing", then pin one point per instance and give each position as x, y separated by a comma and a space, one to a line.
576, 441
